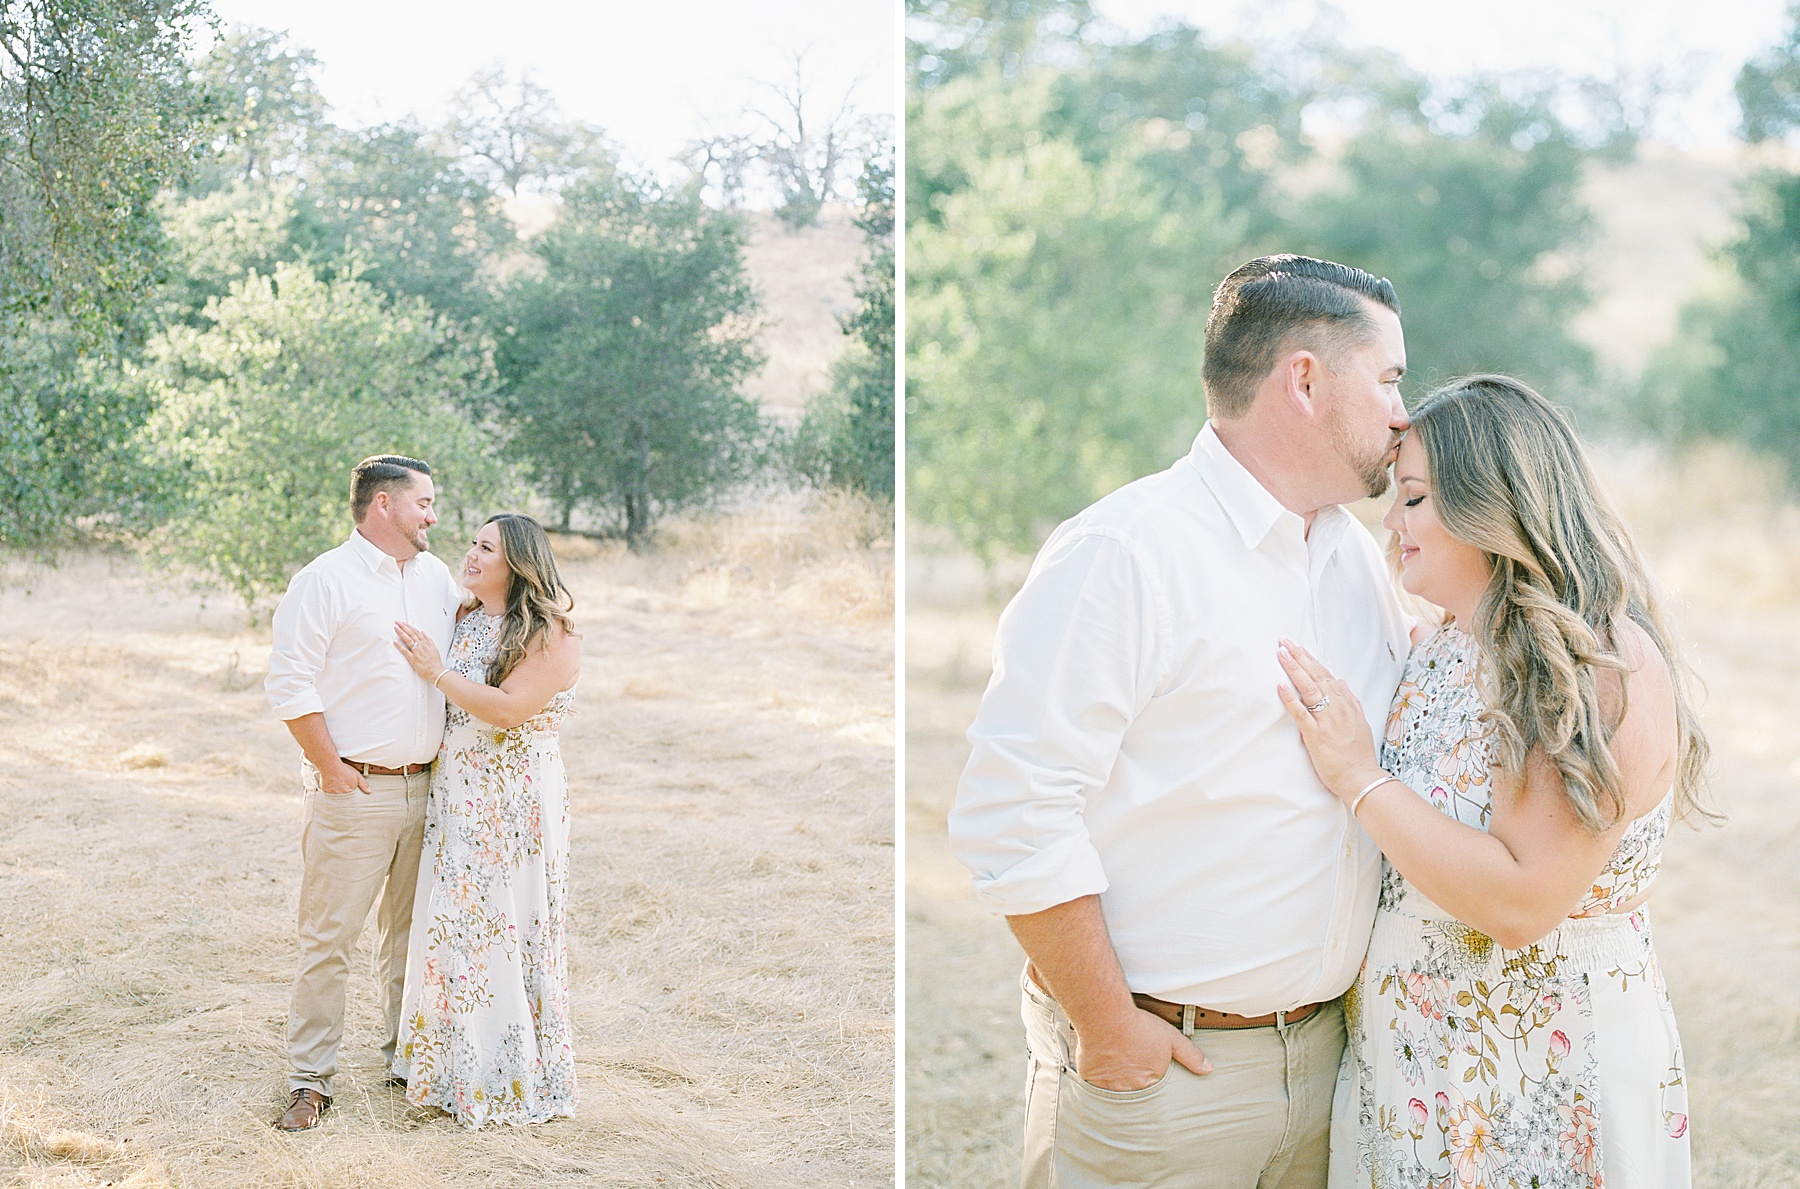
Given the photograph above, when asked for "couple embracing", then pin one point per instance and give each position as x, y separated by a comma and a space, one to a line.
426, 706
1312, 890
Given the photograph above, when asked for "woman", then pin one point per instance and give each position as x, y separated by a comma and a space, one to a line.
1510, 1025
485, 1031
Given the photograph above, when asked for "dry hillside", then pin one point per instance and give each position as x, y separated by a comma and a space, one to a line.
804, 281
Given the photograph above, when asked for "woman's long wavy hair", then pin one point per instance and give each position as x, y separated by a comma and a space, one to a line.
535, 594
1509, 477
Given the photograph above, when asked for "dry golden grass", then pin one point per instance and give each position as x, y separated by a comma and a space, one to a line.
731, 941
1727, 547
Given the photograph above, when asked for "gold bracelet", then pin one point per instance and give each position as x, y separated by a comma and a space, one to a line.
446, 669
1356, 801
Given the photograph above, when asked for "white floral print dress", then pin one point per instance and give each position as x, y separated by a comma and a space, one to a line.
1552, 1067
485, 1028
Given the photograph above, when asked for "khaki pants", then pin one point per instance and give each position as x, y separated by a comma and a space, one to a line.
355, 849
1260, 1120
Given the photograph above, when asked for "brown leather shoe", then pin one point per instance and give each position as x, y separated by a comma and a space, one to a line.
304, 1110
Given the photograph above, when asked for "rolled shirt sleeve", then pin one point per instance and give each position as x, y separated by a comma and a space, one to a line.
1074, 665
302, 629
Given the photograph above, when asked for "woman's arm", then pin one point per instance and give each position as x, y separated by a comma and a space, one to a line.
1521, 877
550, 665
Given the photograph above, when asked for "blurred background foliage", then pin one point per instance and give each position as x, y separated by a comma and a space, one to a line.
1734, 369
847, 438
1073, 198
214, 300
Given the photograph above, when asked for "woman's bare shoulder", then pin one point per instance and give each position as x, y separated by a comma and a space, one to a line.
562, 635
558, 644
1643, 743
1647, 669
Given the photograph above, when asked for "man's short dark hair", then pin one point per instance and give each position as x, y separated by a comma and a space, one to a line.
1274, 300
381, 472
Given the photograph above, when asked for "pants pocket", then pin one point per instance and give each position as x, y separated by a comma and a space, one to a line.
1051, 1040
1121, 1096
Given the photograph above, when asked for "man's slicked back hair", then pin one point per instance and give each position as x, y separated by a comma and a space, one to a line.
1272, 301
381, 472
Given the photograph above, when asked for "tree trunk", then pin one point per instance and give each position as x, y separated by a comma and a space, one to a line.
637, 500
637, 521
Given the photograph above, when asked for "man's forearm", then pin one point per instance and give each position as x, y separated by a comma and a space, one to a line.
314, 738
1073, 956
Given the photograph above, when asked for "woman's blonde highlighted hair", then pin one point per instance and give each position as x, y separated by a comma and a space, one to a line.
535, 594
1509, 477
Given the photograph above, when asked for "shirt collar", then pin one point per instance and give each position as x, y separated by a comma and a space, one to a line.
1248, 504
367, 552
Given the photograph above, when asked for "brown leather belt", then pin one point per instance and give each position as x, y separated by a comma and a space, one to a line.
1206, 1018
378, 770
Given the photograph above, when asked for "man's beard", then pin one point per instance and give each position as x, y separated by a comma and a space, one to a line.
414, 536
1372, 473
1369, 467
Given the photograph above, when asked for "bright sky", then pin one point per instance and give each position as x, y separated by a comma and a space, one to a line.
647, 71
1698, 43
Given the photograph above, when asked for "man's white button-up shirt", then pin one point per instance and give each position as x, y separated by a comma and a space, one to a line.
334, 651
1131, 742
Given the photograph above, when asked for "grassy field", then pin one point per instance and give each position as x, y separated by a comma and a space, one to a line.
1727, 547
731, 775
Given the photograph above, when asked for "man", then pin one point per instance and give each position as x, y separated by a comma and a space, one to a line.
368, 728
1137, 802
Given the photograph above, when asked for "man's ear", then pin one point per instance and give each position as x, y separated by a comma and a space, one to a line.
1304, 371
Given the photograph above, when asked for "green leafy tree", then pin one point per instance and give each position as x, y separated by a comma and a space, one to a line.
1212, 117
400, 211
846, 438
407, 210
950, 38
96, 116
1054, 319
261, 415
67, 427
1475, 217
623, 358
1733, 368
1768, 87
76, 419
219, 236
268, 106
386, 205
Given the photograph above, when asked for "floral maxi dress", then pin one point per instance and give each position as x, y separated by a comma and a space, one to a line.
1552, 1067
485, 1028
